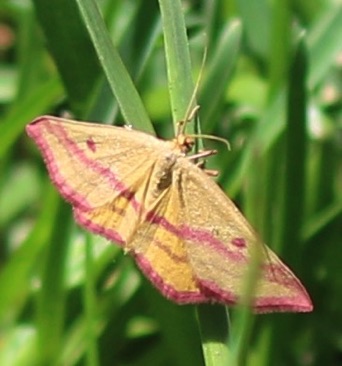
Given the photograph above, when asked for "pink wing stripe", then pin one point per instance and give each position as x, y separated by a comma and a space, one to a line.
297, 303
35, 131
201, 236
108, 233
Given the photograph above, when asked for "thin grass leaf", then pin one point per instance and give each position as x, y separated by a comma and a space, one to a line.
92, 357
52, 296
279, 45
214, 328
181, 90
296, 148
178, 61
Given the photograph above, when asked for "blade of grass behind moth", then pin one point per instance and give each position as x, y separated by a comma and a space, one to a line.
279, 45
243, 316
178, 61
183, 343
220, 69
293, 187
120, 81
181, 88
91, 351
51, 297
214, 320
296, 141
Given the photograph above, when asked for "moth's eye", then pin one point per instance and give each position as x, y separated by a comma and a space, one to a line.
185, 143
189, 143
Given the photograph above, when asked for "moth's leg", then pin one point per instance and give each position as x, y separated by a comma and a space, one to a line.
202, 154
201, 164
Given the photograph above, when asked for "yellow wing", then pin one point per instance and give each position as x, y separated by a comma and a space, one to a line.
220, 242
101, 170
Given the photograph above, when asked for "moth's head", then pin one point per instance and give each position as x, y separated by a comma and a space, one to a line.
184, 143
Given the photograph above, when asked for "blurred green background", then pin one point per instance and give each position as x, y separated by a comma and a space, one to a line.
271, 85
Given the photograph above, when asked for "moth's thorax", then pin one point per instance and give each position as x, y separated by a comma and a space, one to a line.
163, 173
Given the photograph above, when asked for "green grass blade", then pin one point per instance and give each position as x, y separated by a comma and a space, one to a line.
214, 327
296, 149
92, 357
178, 61
52, 295
279, 45
181, 89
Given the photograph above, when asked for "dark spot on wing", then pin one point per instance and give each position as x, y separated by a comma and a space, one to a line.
91, 144
239, 242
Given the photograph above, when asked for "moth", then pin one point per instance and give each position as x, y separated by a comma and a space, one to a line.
149, 196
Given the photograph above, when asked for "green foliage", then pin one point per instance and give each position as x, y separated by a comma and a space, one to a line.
271, 86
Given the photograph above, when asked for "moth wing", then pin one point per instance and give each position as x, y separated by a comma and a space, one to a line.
101, 170
220, 243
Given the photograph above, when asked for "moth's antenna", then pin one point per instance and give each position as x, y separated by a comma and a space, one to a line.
211, 137
191, 111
